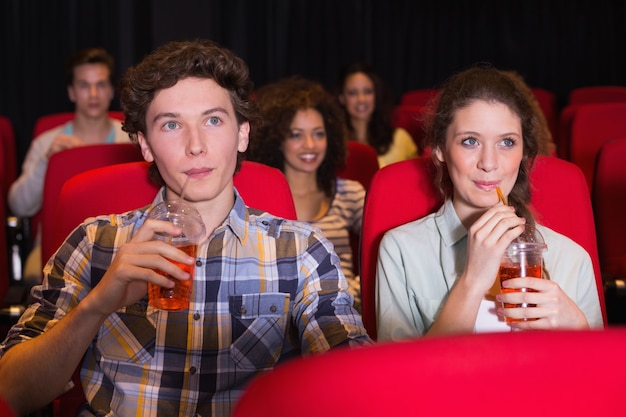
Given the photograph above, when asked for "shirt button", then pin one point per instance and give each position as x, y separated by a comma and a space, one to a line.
243, 310
198, 262
196, 316
273, 309
192, 370
265, 223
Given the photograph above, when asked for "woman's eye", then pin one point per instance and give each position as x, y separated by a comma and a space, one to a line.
508, 142
294, 135
320, 134
469, 141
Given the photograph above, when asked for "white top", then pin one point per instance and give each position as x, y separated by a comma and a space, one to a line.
26, 193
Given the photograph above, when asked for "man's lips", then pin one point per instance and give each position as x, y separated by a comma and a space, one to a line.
198, 172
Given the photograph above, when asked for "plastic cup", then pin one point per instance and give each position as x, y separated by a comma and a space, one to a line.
523, 258
193, 230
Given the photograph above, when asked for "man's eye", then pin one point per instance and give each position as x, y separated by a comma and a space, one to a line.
214, 120
170, 125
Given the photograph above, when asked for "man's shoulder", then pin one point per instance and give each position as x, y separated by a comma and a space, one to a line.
276, 225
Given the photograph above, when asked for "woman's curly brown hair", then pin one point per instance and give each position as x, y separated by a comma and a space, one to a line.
278, 104
173, 62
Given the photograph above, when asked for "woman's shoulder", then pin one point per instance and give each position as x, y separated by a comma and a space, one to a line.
558, 242
415, 230
345, 185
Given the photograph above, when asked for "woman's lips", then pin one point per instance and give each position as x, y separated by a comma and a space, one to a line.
487, 185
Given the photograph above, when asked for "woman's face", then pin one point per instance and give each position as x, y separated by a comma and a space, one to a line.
304, 148
483, 150
358, 96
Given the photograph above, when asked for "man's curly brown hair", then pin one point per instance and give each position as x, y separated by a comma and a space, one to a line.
173, 62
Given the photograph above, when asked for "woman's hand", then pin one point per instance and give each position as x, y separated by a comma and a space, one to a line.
487, 240
134, 265
554, 309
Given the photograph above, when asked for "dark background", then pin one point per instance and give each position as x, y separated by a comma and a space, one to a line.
555, 44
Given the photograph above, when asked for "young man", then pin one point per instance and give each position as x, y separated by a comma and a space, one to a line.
90, 88
265, 289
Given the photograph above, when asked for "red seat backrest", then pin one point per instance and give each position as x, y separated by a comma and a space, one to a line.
597, 94
50, 121
65, 164
412, 118
361, 163
547, 102
404, 191
452, 376
419, 97
4, 252
609, 203
9, 161
593, 125
398, 194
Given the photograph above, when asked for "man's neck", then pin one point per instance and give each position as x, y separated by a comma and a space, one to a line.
92, 130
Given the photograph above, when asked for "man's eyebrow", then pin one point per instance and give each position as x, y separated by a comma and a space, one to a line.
218, 109
164, 115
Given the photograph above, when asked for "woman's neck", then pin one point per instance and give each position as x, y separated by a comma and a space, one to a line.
311, 202
359, 127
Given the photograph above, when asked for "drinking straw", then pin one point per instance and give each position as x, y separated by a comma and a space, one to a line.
501, 196
182, 190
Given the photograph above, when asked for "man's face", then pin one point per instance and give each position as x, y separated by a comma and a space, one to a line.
91, 91
193, 136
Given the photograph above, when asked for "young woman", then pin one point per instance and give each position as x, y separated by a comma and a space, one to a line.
437, 275
368, 108
303, 136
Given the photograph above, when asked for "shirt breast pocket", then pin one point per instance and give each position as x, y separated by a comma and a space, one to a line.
128, 335
259, 324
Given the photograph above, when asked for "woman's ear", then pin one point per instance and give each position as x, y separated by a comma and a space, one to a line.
439, 155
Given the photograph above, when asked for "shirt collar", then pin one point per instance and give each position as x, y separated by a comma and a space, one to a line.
236, 221
449, 224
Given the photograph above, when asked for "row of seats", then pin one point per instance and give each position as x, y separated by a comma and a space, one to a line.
566, 373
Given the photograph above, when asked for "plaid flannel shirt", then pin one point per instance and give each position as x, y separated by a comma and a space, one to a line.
265, 289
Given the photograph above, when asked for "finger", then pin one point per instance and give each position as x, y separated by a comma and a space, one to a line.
497, 211
534, 283
522, 313
151, 227
154, 258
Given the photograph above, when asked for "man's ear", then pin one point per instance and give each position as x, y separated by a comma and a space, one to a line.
146, 151
244, 137
71, 94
